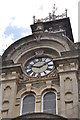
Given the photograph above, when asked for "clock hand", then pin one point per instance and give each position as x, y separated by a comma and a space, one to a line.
41, 65
45, 63
36, 66
33, 66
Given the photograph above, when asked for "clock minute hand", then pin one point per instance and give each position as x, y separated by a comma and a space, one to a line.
46, 63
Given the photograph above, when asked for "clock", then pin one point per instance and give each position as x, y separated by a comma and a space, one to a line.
39, 66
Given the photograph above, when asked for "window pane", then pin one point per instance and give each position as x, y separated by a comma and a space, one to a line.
28, 104
49, 102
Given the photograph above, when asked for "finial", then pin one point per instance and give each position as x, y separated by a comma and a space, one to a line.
66, 11
54, 9
50, 16
53, 12
33, 19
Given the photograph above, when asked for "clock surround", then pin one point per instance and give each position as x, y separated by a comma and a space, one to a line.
39, 66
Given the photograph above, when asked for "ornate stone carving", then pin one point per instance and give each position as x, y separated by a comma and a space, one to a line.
39, 52
68, 96
38, 84
37, 37
7, 92
68, 84
5, 105
51, 16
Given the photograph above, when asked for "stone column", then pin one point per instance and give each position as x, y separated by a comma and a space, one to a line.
68, 89
38, 103
9, 79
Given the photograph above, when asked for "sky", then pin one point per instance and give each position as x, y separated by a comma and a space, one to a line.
16, 16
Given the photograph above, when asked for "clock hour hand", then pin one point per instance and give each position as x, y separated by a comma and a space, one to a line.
30, 66
41, 65
36, 66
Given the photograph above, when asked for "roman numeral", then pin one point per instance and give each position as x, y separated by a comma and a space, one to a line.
31, 63
50, 64
47, 60
33, 74
43, 59
40, 59
36, 60
44, 72
29, 72
49, 69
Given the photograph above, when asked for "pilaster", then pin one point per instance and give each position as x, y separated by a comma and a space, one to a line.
9, 78
68, 88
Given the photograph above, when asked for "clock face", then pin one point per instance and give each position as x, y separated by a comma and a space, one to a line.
39, 66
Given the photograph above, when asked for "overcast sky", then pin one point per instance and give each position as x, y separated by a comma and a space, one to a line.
16, 16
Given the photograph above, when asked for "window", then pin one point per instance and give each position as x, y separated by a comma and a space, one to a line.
28, 104
49, 102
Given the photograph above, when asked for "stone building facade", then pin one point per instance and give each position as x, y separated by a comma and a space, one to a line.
41, 73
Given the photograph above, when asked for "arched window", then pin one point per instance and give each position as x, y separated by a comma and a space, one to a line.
28, 104
49, 102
